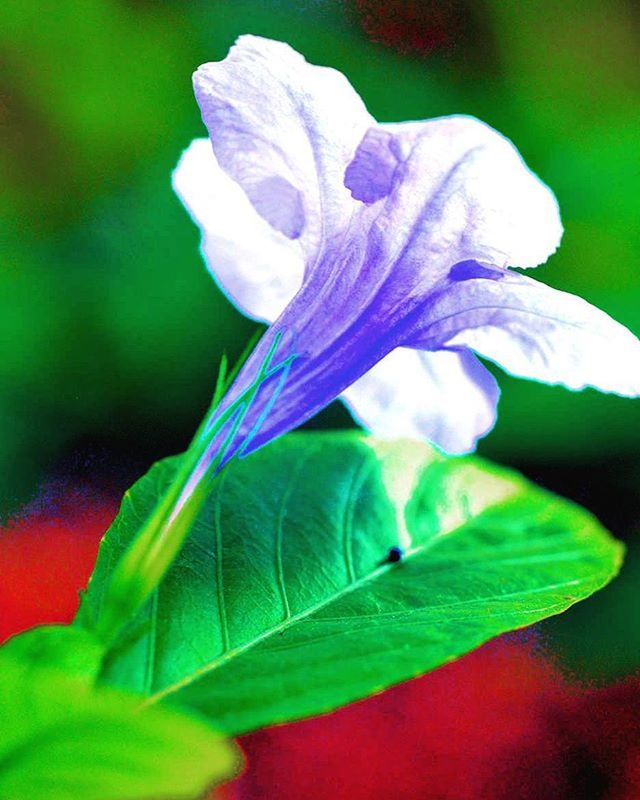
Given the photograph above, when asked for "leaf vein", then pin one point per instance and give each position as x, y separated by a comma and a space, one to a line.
217, 526
269, 632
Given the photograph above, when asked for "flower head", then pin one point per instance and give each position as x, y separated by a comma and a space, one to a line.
381, 254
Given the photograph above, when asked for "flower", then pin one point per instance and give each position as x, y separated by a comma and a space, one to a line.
380, 253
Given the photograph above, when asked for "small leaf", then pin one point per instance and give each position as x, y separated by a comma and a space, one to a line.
61, 740
68, 648
327, 567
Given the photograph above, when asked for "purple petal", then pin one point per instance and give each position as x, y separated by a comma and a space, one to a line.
280, 204
369, 177
535, 332
258, 268
446, 397
285, 130
455, 190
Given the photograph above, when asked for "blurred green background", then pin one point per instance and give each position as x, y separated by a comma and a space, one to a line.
111, 329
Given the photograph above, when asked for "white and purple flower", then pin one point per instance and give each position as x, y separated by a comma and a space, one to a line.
380, 253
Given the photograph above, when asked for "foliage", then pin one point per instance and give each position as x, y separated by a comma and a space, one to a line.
62, 740
284, 602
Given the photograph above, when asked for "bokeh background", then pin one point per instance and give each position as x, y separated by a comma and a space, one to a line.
110, 328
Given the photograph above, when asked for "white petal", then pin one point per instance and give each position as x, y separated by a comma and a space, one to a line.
257, 266
445, 397
285, 130
536, 332
454, 189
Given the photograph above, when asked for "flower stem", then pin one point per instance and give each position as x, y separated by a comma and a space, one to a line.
154, 548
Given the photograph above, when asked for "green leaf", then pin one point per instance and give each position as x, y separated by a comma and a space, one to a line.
283, 605
70, 649
62, 740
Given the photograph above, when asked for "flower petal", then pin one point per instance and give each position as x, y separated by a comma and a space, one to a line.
285, 130
446, 397
259, 268
535, 332
369, 177
453, 189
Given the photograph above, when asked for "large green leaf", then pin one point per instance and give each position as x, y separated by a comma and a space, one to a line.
62, 740
283, 603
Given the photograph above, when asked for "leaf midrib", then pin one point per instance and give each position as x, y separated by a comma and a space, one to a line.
309, 611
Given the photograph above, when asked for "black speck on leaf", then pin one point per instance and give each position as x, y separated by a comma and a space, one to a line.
394, 555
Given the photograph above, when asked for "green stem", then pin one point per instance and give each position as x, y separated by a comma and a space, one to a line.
160, 539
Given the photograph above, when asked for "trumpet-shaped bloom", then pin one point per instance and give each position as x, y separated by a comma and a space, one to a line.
381, 254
